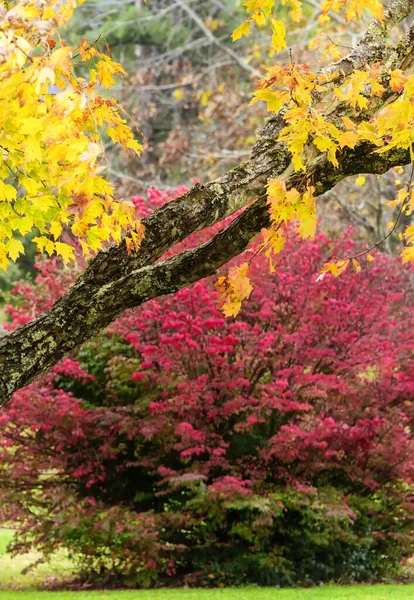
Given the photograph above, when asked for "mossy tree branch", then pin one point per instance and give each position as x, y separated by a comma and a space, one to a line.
115, 281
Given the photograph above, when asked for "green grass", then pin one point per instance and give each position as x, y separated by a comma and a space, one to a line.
22, 587
377, 592
11, 576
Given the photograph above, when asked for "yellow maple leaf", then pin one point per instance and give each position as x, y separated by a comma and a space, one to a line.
273, 99
276, 189
14, 248
55, 229
394, 203
23, 224
331, 154
348, 123
272, 241
65, 251
240, 282
7, 191
4, 261
323, 18
123, 135
260, 6
407, 255
307, 228
356, 265
335, 268
86, 51
347, 138
296, 9
323, 142
409, 234
62, 58
279, 35
44, 244
234, 288
241, 30
231, 309
31, 185
134, 238
106, 68
397, 80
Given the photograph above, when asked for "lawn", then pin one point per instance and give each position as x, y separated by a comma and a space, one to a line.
377, 592
11, 569
22, 587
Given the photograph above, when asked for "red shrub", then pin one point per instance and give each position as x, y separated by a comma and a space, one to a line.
179, 417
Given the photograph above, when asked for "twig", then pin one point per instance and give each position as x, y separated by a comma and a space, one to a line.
394, 227
240, 61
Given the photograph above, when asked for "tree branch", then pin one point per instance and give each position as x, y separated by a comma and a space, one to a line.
210, 36
373, 45
84, 310
115, 281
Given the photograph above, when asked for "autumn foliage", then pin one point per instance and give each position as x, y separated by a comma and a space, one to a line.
328, 111
52, 150
184, 447
335, 119
53, 159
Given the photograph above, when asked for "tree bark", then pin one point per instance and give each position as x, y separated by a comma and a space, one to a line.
115, 281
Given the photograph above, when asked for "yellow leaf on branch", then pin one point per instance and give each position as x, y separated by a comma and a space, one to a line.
397, 80
240, 31
335, 268
407, 255
106, 70
234, 288
279, 35
14, 248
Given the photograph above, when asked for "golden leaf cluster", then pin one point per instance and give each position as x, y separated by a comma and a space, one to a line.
312, 129
51, 152
234, 288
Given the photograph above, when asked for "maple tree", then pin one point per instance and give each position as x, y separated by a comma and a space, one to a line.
200, 450
352, 116
51, 148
